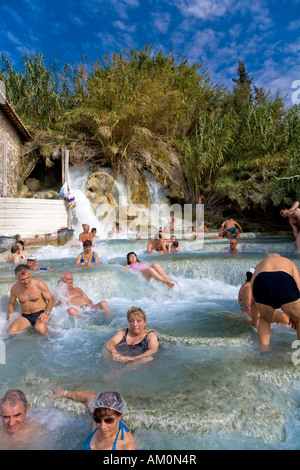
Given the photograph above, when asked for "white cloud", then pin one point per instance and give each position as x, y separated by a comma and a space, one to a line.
204, 9
294, 25
161, 21
124, 27
13, 38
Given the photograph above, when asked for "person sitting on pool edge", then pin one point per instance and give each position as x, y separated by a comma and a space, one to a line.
135, 342
87, 256
155, 271
107, 409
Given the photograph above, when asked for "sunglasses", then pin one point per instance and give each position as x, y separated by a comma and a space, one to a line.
105, 420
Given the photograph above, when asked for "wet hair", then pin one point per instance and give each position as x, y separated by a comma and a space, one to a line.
87, 243
14, 249
14, 397
94, 230
21, 242
21, 269
175, 244
136, 311
131, 253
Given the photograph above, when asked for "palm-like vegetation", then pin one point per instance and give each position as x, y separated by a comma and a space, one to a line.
135, 110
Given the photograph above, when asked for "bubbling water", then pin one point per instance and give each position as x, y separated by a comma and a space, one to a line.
208, 386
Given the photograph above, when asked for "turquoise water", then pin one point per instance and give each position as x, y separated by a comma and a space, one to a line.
208, 387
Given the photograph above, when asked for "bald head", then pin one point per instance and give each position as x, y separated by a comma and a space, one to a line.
67, 278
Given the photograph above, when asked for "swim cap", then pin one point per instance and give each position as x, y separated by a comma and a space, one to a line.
110, 400
250, 270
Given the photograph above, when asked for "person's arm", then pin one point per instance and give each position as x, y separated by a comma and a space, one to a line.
85, 297
296, 276
78, 261
152, 342
112, 343
238, 226
164, 249
294, 207
149, 248
96, 258
48, 297
84, 396
11, 303
294, 227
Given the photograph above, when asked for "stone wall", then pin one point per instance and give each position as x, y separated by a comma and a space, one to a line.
9, 134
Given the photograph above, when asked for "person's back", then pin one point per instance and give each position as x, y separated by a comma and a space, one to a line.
14, 256
275, 262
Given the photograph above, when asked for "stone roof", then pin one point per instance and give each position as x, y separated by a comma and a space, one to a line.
12, 117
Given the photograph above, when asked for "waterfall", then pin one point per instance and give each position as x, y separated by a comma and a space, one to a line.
156, 190
83, 213
104, 216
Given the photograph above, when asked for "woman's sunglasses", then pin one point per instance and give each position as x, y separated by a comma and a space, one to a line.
106, 420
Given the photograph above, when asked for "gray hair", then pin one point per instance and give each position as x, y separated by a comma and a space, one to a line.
21, 269
14, 397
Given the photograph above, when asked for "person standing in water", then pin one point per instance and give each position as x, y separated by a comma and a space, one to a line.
275, 284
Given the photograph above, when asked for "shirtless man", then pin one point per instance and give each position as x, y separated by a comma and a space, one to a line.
231, 228
17, 432
14, 256
249, 308
293, 215
275, 284
233, 246
35, 300
78, 298
157, 245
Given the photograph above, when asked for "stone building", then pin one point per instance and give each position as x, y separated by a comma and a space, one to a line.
13, 135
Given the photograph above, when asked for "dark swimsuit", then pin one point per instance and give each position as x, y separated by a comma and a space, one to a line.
92, 260
132, 349
32, 317
275, 288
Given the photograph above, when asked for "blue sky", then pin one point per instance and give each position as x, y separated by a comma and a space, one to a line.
265, 34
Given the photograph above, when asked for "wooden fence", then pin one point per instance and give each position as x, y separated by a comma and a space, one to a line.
31, 217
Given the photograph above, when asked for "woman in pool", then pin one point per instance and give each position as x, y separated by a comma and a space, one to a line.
135, 342
107, 408
88, 256
155, 271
